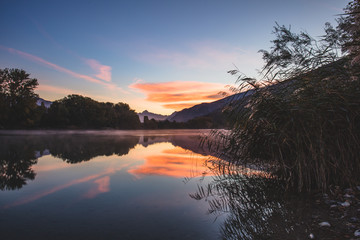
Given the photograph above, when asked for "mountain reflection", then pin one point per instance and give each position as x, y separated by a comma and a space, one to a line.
254, 207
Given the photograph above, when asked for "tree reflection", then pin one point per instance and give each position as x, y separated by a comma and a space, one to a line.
16, 159
79, 148
253, 206
19, 153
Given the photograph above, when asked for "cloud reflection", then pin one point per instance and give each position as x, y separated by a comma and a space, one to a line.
102, 185
176, 162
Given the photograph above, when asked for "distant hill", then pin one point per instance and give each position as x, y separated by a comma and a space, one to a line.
204, 109
150, 115
46, 103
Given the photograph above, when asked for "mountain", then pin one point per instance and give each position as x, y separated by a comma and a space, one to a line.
205, 109
150, 115
46, 103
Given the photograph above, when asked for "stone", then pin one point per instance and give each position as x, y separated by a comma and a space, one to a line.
324, 224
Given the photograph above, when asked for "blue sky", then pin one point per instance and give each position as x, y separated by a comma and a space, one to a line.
155, 55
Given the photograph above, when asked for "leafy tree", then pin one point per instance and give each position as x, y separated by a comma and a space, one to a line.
17, 98
75, 111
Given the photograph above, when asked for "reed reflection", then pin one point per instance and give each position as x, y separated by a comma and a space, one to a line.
254, 207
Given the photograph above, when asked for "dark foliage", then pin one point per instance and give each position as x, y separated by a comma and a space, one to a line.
302, 121
17, 99
75, 111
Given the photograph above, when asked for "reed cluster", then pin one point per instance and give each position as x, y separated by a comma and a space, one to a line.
306, 129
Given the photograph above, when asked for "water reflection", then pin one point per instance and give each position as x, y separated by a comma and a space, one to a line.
16, 159
176, 162
18, 153
254, 206
102, 186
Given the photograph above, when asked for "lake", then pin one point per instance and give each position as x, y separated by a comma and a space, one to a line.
136, 185
103, 185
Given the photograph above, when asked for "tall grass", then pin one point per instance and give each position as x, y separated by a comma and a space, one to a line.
306, 129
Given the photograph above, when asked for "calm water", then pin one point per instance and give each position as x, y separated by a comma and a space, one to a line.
103, 185
136, 185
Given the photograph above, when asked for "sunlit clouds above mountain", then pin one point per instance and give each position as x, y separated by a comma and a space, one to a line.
179, 94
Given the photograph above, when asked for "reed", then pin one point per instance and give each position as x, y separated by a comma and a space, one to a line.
305, 130
301, 121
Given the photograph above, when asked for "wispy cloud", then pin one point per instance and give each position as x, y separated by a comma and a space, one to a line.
101, 185
204, 55
180, 93
103, 70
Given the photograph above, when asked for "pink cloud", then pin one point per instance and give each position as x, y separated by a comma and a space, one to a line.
57, 67
100, 180
103, 71
102, 185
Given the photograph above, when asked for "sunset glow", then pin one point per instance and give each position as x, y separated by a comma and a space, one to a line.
181, 51
178, 95
174, 162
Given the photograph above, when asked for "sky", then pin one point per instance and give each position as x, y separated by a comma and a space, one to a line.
154, 55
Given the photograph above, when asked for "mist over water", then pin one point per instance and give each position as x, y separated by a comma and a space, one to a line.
102, 185
136, 185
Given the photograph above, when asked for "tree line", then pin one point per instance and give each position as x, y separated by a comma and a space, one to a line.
19, 110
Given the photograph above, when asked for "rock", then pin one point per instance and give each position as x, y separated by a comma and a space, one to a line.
311, 236
345, 204
354, 220
357, 233
324, 224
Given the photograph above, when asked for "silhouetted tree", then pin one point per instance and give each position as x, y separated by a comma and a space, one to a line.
75, 111
17, 98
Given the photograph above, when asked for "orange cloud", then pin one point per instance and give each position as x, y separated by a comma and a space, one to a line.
188, 92
180, 97
176, 86
176, 162
178, 106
